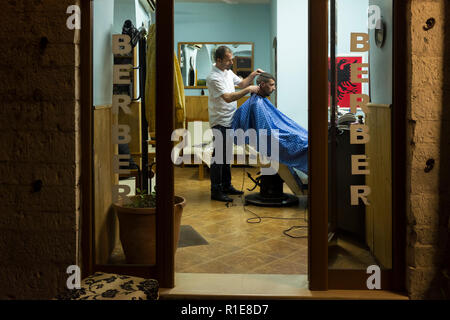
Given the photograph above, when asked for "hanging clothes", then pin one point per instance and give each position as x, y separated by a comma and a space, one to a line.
150, 86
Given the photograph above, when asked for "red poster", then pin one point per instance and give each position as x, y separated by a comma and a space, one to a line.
344, 88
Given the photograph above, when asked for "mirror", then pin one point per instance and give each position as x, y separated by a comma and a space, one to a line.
197, 58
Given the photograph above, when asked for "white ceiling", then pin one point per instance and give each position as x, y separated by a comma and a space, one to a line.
227, 1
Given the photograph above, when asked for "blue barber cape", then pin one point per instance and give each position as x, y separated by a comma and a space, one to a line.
259, 113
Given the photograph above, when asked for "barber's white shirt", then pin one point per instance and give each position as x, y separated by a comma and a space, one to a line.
218, 83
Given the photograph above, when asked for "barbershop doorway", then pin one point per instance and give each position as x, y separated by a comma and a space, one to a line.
242, 237
231, 238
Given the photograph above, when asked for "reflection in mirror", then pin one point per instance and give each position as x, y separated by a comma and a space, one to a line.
196, 60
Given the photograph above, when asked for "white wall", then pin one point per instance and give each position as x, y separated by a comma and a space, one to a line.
142, 16
381, 58
291, 29
102, 54
222, 22
273, 31
292, 82
273, 35
123, 10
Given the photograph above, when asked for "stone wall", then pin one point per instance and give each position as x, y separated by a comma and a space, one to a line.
428, 196
39, 162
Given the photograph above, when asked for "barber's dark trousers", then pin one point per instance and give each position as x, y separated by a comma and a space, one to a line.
221, 173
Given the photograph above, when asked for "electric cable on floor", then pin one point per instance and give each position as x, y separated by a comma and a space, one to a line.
259, 218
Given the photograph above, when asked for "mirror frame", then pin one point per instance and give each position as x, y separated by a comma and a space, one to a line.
219, 42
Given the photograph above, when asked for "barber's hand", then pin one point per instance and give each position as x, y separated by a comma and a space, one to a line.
253, 89
257, 72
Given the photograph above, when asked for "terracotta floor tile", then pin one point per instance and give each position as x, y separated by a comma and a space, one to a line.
247, 258
281, 267
215, 230
236, 246
214, 249
297, 242
227, 231
349, 254
300, 257
275, 248
186, 258
226, 228
243, 239
214, 266
219, 215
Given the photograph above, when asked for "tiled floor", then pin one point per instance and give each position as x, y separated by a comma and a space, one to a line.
236, 246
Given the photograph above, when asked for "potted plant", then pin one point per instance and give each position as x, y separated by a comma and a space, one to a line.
137, 224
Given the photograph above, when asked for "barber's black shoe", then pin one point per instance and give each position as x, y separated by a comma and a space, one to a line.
232, 191
220, 196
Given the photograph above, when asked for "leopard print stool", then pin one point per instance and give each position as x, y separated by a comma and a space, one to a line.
107, 286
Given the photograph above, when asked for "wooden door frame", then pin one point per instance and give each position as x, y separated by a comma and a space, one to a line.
86, 123
399, 146
318, 145
163, 271
392, 279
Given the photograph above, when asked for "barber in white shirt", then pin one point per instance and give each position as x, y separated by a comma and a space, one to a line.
222, 103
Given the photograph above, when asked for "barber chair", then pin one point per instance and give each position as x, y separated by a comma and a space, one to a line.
271, 192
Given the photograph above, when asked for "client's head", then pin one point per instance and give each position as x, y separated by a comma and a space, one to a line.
266, 83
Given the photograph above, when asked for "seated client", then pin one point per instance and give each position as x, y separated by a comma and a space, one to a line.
259, 113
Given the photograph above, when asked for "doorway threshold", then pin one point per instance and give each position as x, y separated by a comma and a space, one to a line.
209, 286
235, 286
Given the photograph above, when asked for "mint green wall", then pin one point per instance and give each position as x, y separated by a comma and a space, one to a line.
292, 82
273, 35
109, 16
381, 58
123, 10
221, 22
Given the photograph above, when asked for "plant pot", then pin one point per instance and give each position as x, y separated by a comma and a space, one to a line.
138, 231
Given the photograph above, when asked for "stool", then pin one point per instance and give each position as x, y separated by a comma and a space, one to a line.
108, 286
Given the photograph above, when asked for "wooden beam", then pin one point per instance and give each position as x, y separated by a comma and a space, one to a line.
165, 113
87, 242
318, 144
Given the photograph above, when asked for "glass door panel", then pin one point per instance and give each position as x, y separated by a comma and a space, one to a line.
124, 43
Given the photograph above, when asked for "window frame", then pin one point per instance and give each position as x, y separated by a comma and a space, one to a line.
320, 278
